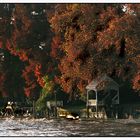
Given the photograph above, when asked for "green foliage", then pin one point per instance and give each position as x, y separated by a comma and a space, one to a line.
29, 102
45, 94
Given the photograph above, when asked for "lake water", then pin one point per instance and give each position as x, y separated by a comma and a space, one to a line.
64, 128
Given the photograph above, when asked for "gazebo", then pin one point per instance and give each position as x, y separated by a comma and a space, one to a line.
110, 94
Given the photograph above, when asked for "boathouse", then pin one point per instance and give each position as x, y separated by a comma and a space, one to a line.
102, 97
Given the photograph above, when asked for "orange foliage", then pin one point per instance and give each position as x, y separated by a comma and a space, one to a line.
96, 39
39, 75
136, 82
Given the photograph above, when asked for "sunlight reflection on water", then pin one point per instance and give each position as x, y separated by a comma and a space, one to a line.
44, 127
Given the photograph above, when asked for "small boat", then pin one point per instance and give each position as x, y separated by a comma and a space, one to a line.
62, 115
71, 117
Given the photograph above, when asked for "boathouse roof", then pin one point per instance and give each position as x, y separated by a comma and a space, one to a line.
102, 82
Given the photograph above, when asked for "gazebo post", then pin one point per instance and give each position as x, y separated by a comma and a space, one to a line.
96, 102
87, 105
111, 84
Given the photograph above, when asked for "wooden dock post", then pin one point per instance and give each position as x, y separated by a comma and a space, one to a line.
34, 109
96, 103
87, 105
55, 111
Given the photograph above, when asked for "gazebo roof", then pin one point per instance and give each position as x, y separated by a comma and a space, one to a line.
110, 83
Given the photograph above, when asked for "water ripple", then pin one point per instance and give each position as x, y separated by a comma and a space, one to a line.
45, 127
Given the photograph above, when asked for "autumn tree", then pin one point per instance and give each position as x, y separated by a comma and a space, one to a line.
29, 39
11, 67
95, 39
79, 43
134, 10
